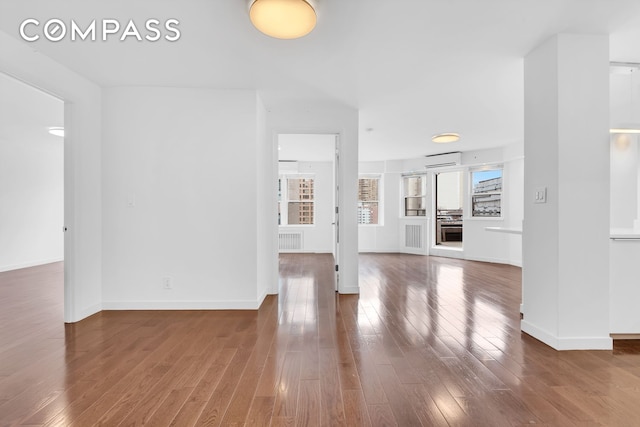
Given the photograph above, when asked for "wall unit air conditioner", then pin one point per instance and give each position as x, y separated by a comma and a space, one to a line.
442, 160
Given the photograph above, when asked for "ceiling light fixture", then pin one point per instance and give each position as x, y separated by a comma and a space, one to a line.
445, 138
57, 131
283, 19
630, 129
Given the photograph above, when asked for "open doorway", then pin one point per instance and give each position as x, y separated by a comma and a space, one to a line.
307, 195
449, 196
32, 177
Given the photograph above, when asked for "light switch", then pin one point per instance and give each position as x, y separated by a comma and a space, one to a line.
131, 200
540, 195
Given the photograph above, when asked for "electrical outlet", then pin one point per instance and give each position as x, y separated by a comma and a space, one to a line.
167, 282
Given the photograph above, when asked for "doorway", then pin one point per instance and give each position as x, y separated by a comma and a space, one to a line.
32, 173
307, 198
449, 196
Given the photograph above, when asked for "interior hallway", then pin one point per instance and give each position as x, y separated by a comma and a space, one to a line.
430, 341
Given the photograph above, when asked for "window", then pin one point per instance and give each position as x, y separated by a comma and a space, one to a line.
415, 195
298, 196
486, 193
369, 200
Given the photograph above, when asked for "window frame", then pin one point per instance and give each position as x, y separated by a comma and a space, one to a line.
284, 199
379, 200
500, 192
424, 195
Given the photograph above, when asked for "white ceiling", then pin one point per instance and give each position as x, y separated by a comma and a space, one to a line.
413, 68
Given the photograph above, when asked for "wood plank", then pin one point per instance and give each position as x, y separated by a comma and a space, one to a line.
429, 341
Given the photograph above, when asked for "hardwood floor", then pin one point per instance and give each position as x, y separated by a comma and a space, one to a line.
430, 341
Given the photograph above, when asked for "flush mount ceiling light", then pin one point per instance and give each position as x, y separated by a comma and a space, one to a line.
57, 131
283, 19
445, 138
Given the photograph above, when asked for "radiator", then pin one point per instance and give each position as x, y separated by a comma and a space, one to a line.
290, 241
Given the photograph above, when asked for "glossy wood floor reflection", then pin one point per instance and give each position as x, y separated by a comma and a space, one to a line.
429, 341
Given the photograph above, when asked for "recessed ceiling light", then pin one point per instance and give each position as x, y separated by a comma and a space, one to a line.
444, 138
57, 131
283, 19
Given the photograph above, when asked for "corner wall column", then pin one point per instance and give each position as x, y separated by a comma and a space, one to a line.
566, 238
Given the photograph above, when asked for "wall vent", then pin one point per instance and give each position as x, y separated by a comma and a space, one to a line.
413, 236
290, 241
442, 160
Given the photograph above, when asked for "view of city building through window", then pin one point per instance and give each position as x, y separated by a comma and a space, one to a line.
300, 202
415, 195
368, 200
486, 194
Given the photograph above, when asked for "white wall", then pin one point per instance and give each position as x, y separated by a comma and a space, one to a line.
566, 240
31, 202
180, 185
317, 237
625, 172
265, 163
82, 199
383, 237
31, 177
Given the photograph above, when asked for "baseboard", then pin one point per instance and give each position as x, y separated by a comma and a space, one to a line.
568, 343
349, 290
625, 336
488, 259
182, 305
261, 299
447, 253
29, 264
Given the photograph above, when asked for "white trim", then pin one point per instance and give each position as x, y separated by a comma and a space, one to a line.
448, 252
488, 259
83, 314
507, 230
350, 290
22, 265
183, 305
569, 343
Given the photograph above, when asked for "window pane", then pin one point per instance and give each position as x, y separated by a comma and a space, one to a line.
487, 181
300, 213
367, 213
300, 188
486, 205
368, 189
415, 185
415, 206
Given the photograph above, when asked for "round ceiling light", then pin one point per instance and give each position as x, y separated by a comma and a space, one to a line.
444, 138
283, 19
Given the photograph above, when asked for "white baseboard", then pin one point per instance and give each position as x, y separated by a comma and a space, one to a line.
567, 343
182, 305
349, 290
447, 253
28, 264
625, 336
487, 259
